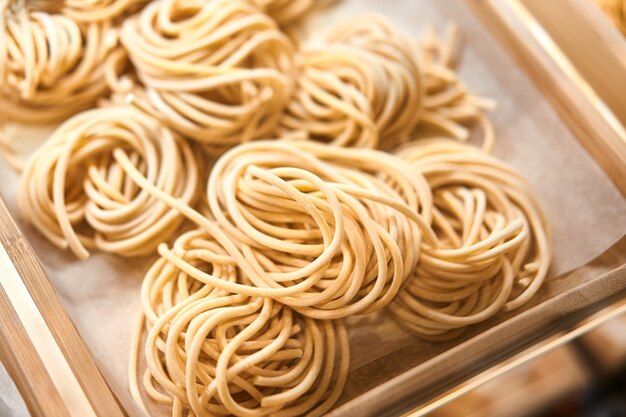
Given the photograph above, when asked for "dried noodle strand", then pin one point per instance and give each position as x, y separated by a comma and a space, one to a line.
218, 72
79, 197
494, 243
218, 353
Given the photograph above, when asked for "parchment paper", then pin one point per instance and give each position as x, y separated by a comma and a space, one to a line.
587, 213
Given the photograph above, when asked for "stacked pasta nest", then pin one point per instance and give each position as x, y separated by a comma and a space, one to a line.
282, 187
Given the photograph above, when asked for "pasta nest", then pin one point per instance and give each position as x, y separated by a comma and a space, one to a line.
220, 353
360, 86
329, 231
74, 191
219, 71
494, 246
50, 65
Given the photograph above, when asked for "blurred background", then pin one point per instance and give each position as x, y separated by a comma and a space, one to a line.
585, 378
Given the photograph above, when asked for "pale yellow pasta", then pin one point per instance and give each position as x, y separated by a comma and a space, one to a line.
76, 194
219, 71
243, 314
449, 106
360, 86
326, 239
321, 218
494, 245
218, 353
366, 85
50, 66
99, 10
289, 12
8, 152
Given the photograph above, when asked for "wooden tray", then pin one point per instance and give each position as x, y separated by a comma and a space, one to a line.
417, 372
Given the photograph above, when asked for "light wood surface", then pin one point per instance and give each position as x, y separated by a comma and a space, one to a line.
20, 355
586, 114
530, 387
590, 41
25, 367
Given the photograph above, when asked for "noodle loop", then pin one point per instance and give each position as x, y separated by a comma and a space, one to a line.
216, 71
494, 247
218, 353
77, 195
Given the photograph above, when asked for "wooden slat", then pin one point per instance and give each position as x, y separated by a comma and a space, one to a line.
24, 365
587, 116
591, 42
20, 356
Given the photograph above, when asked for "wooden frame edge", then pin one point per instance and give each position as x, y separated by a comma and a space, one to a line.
21, 357
575, 101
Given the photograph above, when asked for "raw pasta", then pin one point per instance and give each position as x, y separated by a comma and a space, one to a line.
243, 314
219, 71
79, 197
219, 353
317, 217
99, 10
328, 240
288, 12
366, 85
362, 84
50, 66
494, 245
448, 105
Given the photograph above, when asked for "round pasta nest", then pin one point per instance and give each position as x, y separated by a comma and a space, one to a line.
360, 86
494, 246
50, 66
219, 353
219, 72
74, 191
332, 231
